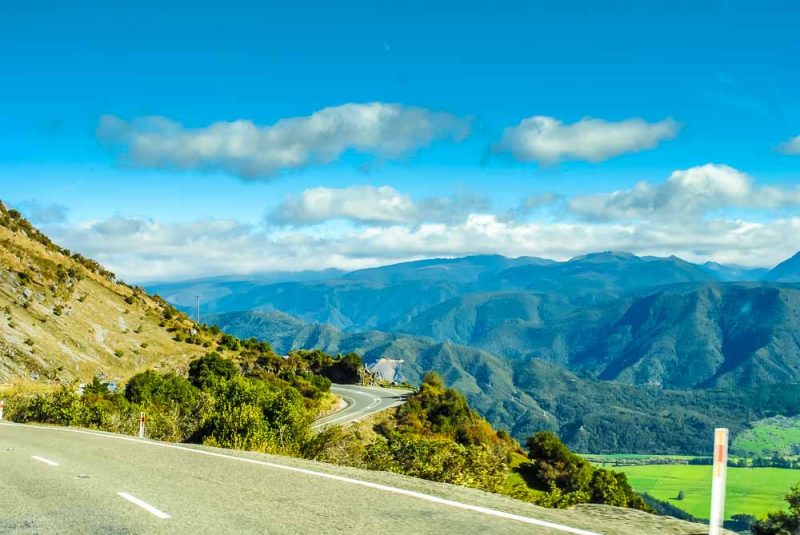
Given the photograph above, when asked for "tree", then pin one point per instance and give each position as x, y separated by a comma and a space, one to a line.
345, 369
606, 488
554, 463
681, 495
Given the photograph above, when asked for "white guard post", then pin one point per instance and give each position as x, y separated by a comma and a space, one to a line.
141, 425
718, 481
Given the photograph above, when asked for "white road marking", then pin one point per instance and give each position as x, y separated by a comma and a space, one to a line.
347, 417
144, 505
43, 460
386, 488
350, 402
354, 416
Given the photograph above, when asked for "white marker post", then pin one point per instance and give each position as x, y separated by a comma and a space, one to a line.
718, 480
141, 425
2, 406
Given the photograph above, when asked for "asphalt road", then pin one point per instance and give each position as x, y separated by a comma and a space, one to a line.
362, 401
59, 480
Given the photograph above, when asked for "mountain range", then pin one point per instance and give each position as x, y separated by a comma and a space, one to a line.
385, 297
541, 344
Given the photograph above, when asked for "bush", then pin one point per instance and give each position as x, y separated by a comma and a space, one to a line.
249, 415
151, 388
553, 466
206, 372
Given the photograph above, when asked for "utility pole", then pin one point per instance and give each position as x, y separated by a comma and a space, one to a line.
197, 305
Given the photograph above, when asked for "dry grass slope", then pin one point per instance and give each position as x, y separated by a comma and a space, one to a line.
63, 319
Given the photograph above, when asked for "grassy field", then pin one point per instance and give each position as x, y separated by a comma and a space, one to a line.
774, 436
614, 459
754, 491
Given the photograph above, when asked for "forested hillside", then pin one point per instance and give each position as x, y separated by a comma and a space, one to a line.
528, 395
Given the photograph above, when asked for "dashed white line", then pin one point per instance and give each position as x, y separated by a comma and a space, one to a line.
43, 460
144, 505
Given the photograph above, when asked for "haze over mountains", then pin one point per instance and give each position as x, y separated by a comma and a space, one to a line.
383, 297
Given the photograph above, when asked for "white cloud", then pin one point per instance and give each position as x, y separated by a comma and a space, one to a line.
360, 203
548, 141
790, 146
689, 193
372, 204
251, 151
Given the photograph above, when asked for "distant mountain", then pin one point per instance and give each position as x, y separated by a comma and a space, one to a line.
389, 296
602, 276
733, 273
730, 334
681, 336
507, 323
462, 271
786, 271
528, 395
212, 289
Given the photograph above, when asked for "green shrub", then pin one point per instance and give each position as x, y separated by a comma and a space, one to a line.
208, 371
249, 415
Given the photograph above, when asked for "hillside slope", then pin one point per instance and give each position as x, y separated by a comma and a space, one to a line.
729, 335
65, 318
683, 336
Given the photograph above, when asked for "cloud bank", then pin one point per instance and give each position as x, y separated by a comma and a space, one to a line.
686, 215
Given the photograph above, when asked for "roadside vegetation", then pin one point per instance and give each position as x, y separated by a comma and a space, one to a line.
264, 402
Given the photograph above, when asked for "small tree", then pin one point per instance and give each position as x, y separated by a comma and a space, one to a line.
681, 496
95, 388
555, 464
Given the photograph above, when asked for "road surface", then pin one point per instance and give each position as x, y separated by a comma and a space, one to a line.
61, 480
362, 401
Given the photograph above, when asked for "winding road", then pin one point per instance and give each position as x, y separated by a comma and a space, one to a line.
64, 480
362, 401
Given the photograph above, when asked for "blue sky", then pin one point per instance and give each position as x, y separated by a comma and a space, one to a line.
675, 87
